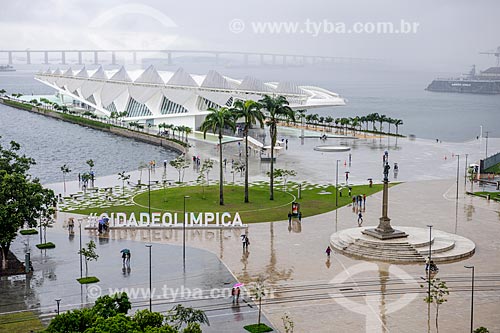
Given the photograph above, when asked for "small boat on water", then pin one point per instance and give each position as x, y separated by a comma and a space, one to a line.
7, 68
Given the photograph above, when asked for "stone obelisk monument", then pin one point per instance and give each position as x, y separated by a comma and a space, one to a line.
384, 229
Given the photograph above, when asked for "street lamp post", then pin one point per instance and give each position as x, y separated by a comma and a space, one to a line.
429, 266
458, 171
58, 301
149, 190
486, 152
150, 289
184, 233
337, 185
471, 301
466, 169
80, 252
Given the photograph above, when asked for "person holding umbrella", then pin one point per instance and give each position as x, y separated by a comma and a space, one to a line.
126, 257
236, 291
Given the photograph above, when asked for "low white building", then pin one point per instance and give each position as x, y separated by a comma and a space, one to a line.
178, 98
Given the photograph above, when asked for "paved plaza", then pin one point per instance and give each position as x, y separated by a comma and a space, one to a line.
336, 294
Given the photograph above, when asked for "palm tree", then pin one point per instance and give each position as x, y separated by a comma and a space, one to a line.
251, 112
382, 119
373, 117
315, 120
389, 121
329, 121
65, 169
276, 106
308, 120
188, 130
216, 121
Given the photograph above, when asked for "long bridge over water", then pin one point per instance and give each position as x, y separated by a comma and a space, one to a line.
115, 57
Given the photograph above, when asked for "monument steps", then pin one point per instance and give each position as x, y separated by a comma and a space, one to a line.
439, 245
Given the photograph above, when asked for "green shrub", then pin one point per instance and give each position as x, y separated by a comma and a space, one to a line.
88, 279
28, 232
48, 245
255, 328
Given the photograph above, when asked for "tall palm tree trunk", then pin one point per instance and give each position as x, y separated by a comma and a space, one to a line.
271, 181
246, 165
221, 179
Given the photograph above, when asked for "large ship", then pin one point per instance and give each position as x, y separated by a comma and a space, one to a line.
486, 82
7, 68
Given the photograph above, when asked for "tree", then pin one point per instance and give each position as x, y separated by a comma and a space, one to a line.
90, 163
216, 121
89, 254
204, 173
180, 315
259, 292
283, 173
22, 199
88, 319
288, 323
276, 106
187, 130
251, 113
382, 119
123, 177
46, 218
438, 292
65, 169
2, 91
397, 123
180, 163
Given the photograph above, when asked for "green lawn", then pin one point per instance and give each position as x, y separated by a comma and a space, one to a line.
493, 195
88, 279
493, 169
315, 200
21, 322
256, 328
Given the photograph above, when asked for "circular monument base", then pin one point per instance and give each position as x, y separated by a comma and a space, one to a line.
445, 247
334, 149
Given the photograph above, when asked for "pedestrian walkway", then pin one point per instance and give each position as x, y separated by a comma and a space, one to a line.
205, 283
290, 256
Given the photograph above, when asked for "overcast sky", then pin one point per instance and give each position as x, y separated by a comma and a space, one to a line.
449, 36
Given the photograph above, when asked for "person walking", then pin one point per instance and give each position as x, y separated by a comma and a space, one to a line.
127, 259
328, 251
364, 200
71, 225
360, 219
244, 241
247, 242
238, 291
233, 294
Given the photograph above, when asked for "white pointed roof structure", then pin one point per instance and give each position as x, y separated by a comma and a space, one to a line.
82, 73
181, 78
143, 93
65, 78
215, 80
121, 75
250, 83
288, 88
112, 90
99, 74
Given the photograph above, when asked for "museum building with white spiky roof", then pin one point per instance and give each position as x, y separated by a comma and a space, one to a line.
179, 98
